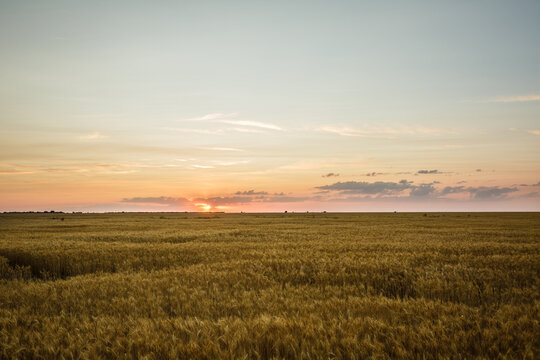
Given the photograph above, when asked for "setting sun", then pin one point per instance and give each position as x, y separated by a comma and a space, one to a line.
204, 207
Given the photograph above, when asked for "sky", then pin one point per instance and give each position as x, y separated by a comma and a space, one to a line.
270, 105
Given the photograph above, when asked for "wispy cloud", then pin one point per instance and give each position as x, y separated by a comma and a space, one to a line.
251, 192
534, 132
161, 200
220, 149
363, 187
16, 172
374, 173
245, 130
93, 136
251, 196
330, 175
384, 132
481, 192
195, 131
225, 200
210, 164
214, 116
249, 123
242, 125
231, 163
428, 172
74, 167
100, 116
519, 98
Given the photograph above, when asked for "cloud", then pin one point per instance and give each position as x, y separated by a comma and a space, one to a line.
534, 132
490, 192
244, 197
161, 200
230, 119
480, 193
225, 200
252, 196
251, 192
16, 172
537, 184
289, 199
93, 136
519, 98
250, 123
221, 149
330, 175
350, 191
69, 167
374, 173
231, 163
363, 187
202, 166
245, 130
422, 172
214, 116
478, 170
384, 132
452, 190
195, 131
37, 169
422, 190
106, 116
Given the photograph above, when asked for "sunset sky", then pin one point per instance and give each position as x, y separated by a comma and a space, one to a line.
269, 105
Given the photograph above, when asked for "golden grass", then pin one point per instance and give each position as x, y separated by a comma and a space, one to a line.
261, 286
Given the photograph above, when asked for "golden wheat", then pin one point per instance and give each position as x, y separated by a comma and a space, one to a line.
261, 286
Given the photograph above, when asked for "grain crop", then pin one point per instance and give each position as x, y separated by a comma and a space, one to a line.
270, 286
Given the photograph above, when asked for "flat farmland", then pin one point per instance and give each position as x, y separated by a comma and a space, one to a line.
270, 286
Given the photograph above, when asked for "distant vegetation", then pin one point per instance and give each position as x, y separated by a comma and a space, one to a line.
260, 286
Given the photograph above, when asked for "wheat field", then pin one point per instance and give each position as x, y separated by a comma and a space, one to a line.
270, 286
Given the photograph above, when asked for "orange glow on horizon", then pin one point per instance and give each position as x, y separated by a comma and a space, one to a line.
204, 207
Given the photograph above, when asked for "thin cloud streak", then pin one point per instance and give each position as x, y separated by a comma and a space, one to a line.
93, 136
195, 131
231, 163
250, 131
385, 132
214, 116
230, 119
161, 200
220, 149
428, 172
249, 123
511, 99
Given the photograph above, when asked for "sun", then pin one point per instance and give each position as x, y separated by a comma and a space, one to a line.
204, 206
